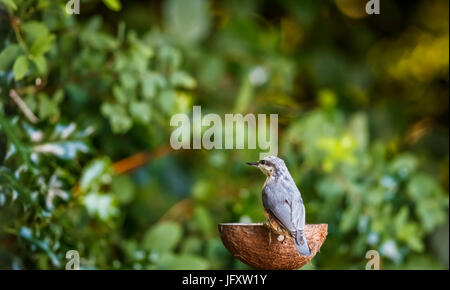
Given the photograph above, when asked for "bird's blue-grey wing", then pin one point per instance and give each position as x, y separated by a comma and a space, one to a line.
286, 204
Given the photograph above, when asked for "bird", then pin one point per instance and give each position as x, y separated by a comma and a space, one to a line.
283, 203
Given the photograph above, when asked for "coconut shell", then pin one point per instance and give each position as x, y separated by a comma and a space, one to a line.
249, 242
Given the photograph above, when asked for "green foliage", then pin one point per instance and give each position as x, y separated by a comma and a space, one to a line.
163, 237
387, 202
85, 108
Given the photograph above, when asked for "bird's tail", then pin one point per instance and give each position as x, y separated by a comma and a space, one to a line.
302, 244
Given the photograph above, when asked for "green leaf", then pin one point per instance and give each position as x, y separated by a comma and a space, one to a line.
141, 50
93, 172
167, 260
7, 179
101, 205
148, 88
411, 234
327, 98
9, 4
63, 131
421, 186
191, 245
162, 237
140, 111
188, 262
34, 30
118, 117
169, 57
329, 188
432, 212
120, 94
350, 217
47, 107
167, 101
128, 80
124, 188
401, 218
150, 83
182, 79
403, 165
42, 45
20, 67
204, 221
188, 21
8, 55
43, 245
114, 5
40, 62
66, 150
203, 190
11, 133
358, 127
245, 95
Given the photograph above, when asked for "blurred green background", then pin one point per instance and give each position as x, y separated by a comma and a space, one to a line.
86, 101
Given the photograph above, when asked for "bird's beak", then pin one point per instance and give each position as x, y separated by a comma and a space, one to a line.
252, 163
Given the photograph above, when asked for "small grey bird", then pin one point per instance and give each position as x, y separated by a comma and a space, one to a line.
282, 201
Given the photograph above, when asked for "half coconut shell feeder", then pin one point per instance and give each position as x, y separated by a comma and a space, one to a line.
249, 242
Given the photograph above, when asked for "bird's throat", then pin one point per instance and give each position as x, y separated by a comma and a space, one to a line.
268, 179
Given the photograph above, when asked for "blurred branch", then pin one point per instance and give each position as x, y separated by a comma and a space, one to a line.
418, 130
181, 211
131, 163
23, 107
15, 23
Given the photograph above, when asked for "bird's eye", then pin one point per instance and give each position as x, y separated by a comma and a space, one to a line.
263, 162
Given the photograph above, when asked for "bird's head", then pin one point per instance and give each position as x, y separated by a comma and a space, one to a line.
270, 165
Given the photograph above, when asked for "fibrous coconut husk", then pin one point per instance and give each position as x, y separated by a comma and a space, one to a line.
250, 244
